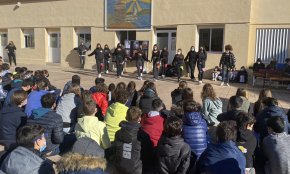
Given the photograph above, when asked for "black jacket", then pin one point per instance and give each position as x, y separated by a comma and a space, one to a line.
202, 56
140, 56
119, 54
155, 56
99, 54
258, 66
247, 139
128, 149
107, 53
11, 119
53, 125
11, 49
178, 60
176, 96
173, 155
228, 60
164, 56
229, 115
191, 57
82, 49
146, 100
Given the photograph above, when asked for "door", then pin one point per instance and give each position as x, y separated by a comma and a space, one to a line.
3, 44
167, 39
54, 41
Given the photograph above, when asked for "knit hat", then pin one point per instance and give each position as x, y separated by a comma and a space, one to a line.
87, 146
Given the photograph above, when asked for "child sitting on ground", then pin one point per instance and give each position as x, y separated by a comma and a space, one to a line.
242, 76
215, 73
127, 146
233, 74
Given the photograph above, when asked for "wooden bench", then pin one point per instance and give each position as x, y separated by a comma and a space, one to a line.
270, 76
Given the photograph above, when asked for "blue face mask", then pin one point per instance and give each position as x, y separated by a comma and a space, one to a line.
42, 148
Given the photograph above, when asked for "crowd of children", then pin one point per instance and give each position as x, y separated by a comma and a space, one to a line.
119, 129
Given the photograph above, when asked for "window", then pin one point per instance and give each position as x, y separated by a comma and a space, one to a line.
4, 41
212, 39
84, 38
127, 35
28, 38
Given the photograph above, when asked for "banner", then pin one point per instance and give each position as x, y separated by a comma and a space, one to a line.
128, 14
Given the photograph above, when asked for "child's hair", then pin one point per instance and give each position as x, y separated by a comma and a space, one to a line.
48, 100
208, 92
5, 66
75, 89
242, 92
229, 47
89, 107
276, 123
122, 96
191, 106
216, 68
182, 85
157, 105
131, 87
133, 114
45, 73
245, 119
269, 101
41, 85
102, 87
152, 86
18, 97
265, 93
112, 87
226, 131
24, 68
235, 102
76, 79
187, 94
99, 80
173, 127
16, 76
144, 86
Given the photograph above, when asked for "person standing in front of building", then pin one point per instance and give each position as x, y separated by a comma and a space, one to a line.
82, 49
120, 59
178, 62
201, 59
99, 56
227, 62
164, 61
191, 58
11, 52
107, 55
156, 62
140, 58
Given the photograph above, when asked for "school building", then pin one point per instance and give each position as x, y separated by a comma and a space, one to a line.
47, 31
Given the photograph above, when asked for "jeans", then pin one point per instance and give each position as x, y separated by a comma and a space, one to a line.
179, 71
107, 64
192, 68
139, 66
99, 67
155, 71
12, 57
119, 66
82, 60
226, 74
200, 72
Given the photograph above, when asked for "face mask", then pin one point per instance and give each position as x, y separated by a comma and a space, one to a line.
42, 148
179, 53
192, 49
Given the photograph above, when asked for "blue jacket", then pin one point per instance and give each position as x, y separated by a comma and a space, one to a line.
264, 115
33, 101
222, 158
194, 132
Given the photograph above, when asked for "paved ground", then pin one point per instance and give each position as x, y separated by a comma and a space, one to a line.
59, 76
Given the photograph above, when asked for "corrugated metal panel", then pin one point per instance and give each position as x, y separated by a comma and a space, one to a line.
272, 43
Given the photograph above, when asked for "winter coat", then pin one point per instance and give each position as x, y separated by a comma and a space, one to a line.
264, 115
176, 95
52, 124
145, 103
257, 108
211, 109
222, 158
155, 56
246, 104
194, 132
132, 100
140, 57
33, 101
99, 54
25, 161
164, 56
67, 108
11, 119
101, 100
107, 54
173, 155
178, 60
119, 54
75, 163
82, 49
229, 115
276, 150
191, 57
228, 60
152, 124
247, 140
242, 77
258, 66
11, 49
128, 149
201, 59
91, 127
115, 114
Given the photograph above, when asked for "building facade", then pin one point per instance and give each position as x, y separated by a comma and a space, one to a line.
47, 31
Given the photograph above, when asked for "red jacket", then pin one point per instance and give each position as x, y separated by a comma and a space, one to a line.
101, 100
152, 124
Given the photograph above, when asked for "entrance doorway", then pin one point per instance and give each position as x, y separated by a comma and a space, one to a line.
3, 44
167, 38
54, 40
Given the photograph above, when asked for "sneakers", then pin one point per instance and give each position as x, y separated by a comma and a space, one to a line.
222, 84
99, 75
228, 84
200, 82
139, 78
107, 72
193, 79
163, 76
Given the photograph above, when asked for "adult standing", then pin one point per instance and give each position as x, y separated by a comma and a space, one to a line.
201, 59
156, 62
120, 59
99, 56
164, 60
227, 62
11, 52
178, 63
140, 57
191, 58
82, 49
107, 54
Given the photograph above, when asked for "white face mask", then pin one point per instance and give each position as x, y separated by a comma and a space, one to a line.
178, 52
192, 49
